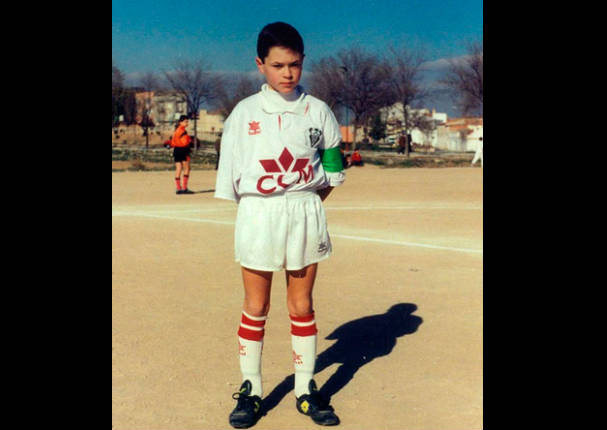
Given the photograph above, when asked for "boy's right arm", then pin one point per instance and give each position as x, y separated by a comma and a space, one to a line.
226, 186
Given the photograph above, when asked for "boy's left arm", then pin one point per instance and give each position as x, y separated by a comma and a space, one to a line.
331, 155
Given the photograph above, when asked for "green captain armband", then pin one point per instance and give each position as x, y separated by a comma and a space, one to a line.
331, 159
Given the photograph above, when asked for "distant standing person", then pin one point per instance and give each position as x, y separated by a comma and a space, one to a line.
181, 152
217, 150
479, 152
402, 143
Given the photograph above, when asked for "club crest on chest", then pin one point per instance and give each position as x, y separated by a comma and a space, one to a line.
314, 134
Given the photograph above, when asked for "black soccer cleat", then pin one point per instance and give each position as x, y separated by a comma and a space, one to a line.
179, 192
316, 407
246, 412
186, 191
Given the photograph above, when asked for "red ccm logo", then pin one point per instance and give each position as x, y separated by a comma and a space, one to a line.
285, 160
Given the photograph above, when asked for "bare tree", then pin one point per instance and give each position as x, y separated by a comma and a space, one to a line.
464, 77
322, 81
404, 71
129, 105
149, 83
365, 85
193, 80
355, 80
228, 95
117, 94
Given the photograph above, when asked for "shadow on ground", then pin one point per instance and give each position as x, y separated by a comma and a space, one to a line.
358, 342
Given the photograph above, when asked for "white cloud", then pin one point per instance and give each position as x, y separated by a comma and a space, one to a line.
442, 63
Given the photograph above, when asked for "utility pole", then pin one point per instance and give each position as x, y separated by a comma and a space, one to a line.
345, 70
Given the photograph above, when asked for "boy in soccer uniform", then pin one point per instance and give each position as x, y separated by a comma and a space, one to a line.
280, 159
181, 152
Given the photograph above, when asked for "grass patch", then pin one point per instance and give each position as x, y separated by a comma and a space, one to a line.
161, 159
158, 159
428, 162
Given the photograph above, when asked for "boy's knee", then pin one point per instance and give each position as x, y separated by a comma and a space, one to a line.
299, 307
257, 308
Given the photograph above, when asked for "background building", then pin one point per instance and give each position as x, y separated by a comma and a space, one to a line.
459, 134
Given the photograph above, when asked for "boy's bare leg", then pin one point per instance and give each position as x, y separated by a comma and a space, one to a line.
303, 326
186, 174
299, 290
178, 175
257, 287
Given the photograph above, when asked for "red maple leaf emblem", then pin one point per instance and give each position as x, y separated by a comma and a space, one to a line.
285, 160
242, 349
297, 358
254, 127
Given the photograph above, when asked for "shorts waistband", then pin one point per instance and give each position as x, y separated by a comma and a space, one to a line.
287, 195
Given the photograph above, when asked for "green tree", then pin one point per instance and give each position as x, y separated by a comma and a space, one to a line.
117, 95
378, 128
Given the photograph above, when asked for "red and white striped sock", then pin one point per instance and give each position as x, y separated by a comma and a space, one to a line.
250, 346
303, 341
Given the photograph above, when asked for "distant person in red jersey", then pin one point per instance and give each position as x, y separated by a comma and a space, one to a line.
181, 152
357, 159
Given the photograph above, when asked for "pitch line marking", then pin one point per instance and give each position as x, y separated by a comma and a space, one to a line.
328, 208
206, 210
399, 208
136, 214
396, 242
341, 236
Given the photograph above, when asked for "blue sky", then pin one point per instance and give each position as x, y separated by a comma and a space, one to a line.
151, 35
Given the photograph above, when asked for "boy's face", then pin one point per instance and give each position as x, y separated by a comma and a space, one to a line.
282, 68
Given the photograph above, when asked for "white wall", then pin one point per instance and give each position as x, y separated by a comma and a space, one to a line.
448, 140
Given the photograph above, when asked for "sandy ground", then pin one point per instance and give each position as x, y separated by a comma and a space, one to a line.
409, 240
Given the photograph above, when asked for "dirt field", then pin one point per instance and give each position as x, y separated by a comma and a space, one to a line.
409, 240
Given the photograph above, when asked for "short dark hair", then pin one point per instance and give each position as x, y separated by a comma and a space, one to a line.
181, 118
278, 34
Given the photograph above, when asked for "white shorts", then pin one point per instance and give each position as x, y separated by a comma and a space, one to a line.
287, 231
